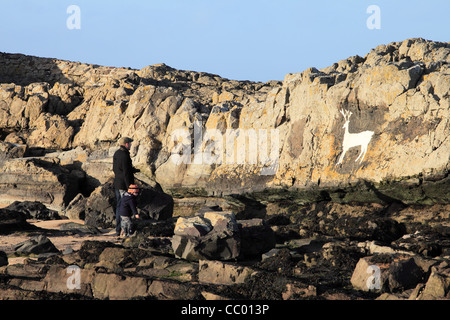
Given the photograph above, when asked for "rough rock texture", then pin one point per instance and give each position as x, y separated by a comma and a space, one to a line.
342, 169
307, 262
397, 94
223, 273
388, 272
213, 235
12, 221
34, 210
3, 259
36, 245
31, 179
99, 209
219, 236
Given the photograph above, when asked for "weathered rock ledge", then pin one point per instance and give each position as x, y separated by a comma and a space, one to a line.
347, 167
312, 123
323, 251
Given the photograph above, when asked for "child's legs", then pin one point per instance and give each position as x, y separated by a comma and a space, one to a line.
126, 225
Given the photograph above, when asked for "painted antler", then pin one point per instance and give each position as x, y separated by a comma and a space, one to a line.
346, 114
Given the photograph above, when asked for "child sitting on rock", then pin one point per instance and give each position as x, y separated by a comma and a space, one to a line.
128, 209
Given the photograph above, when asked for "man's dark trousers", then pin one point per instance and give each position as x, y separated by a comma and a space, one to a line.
119, 195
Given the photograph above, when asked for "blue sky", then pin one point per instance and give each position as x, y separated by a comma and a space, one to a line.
258, 40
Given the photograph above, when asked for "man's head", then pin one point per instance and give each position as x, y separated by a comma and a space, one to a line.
126, 142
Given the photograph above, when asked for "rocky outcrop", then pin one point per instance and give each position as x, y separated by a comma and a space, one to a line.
223, 273
96, 271
310, 261
212, 235
388, 272
11, 150
34, 210
31, 179
13, 221
217, 235
328, 174
398, 93
99, 209
36, 245
298, 138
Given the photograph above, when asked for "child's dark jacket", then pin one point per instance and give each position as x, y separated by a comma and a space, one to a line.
128, 205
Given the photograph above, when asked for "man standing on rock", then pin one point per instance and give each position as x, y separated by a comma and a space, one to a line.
123, 174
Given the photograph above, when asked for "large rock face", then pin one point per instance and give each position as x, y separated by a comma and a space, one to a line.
390, 106
371, 128
399, 98
37, 180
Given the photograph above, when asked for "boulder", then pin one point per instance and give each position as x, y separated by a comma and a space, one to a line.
79, 228
214, 235
101, 205
36, 245
155, 204
100, 210
12, 221
256, 237
64, 280
26, 270
51, 132
34, 210
218, 235
116, 287
437, 286
172, 290
196, 226
386, 273
44, 181
217, 272
76, 209
3, 259
119, 256
11, 150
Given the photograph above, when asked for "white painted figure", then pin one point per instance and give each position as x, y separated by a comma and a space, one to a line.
354, 139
